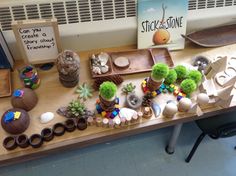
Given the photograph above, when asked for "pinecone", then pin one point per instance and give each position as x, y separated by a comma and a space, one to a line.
147, 99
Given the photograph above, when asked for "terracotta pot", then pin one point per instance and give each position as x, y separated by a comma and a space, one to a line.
153, 85
22, 141
16, 126
27, 101
107, 105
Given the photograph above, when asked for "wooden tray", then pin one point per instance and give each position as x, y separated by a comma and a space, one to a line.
214, 37
140, 61
5, 82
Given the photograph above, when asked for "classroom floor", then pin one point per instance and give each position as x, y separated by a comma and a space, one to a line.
140, 155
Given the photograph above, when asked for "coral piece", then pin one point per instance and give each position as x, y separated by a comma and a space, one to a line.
128, 88
116, 79
195, 75
171, 77
84, 91
181, 72
188, 86
107, 90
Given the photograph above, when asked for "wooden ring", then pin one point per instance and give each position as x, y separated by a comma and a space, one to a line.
82, 124
47, 134
9, 143
22, 141
70, 125
36, 140
59, 129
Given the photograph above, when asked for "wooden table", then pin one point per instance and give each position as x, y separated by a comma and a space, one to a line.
53, 95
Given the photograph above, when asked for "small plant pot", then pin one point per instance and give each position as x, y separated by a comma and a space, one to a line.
9, 143
153, 84
107, 105
36, 140
70, 125
59, 129
82, 124
47, 134
22, 141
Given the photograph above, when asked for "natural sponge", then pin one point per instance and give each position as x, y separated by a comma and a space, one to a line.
160, 71
107, 90
171, 77
195, 75
181, 72
188, 86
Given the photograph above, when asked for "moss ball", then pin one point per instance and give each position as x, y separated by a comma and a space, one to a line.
188, 86
107, 90
160, 71
171, 77
181, 72
195, 75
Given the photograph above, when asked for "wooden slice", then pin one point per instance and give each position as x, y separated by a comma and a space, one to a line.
121, 62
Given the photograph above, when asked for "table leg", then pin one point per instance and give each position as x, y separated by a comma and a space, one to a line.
170, 148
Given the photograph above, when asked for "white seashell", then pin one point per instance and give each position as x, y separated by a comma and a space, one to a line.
46, 117
97, 70
104, 69
103, 58
127, 113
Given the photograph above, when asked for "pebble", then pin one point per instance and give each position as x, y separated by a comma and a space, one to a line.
46, 117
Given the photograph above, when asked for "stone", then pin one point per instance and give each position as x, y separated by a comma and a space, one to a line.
103, 58
46, 117
202, 99
104, 69
170, 110
127, 113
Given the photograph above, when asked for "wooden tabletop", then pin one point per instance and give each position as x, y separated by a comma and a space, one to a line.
53, 95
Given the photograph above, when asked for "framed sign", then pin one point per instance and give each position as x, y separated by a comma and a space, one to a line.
38, 40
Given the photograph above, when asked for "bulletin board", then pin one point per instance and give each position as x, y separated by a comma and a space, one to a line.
38, 40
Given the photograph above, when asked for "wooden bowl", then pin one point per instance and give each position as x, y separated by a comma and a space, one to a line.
36, 140
22, 141
9, 143
47, 134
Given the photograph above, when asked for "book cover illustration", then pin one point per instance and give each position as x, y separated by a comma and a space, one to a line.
161, 23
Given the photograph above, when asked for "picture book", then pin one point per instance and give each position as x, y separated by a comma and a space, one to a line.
161, 23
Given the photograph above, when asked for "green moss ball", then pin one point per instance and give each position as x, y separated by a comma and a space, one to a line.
171, 77
188, 86
160, 71
181, 72
107, 90
195, 75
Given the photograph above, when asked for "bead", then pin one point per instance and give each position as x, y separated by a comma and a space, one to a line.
103, 113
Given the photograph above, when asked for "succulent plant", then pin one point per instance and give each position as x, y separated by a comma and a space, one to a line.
181, 72
107, 90
159, 71
84, 91
188, 86
195, 75
171, 77
76, 108
128, 88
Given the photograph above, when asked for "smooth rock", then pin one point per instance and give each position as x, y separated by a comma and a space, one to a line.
104, 69
127, 113
46, 117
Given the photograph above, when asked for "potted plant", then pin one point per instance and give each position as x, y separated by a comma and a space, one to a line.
188, 86
159, 72
181, 71
107, 95
171, 77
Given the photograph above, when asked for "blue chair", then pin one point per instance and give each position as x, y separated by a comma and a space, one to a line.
220, 126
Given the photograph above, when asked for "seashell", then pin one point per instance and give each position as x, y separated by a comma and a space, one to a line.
103, 58
46, 117
104, 69
97, 70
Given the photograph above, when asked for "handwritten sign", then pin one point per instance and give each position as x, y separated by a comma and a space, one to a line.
38, 40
